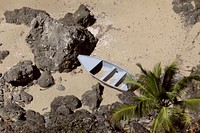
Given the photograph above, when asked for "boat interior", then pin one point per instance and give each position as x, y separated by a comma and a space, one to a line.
108, 73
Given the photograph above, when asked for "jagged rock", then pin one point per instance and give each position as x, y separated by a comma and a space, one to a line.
22, 16
80, 121
12, 112
93, 98
60, 87
1, 96
22, 74
193, 90
63, 110
71, 102
103, 116
195, 70
56, 46
81, 17
22, 97
45, 80
34, 122
135, 127
186, 9
127, 97
3, 54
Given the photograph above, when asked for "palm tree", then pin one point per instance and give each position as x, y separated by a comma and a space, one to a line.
160, 92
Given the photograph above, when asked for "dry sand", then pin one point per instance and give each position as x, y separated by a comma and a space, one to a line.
129, 32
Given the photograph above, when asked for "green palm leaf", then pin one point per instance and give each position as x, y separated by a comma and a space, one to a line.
169, 74
142, 69
162, 121
124, 112
180, 119
138, 85
161, 94
191, 104
181, 85
157, 70
145, 105
153, 83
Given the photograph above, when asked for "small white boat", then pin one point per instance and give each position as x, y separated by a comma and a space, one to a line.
106, 72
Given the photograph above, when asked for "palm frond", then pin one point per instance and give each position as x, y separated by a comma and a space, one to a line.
192, 104
128, 80
180, 119
141, 68
184, 83
153, 83
123, 113
138, 85
169, 73
144, 106
169, 119
157, 70
162, 121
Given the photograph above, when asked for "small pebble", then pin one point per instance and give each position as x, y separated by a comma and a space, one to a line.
60, 87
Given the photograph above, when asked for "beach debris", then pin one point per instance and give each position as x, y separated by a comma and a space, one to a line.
22, 16
188, 9
82, 17
45, 80
93, 98
3, 55
22, 73
60, 87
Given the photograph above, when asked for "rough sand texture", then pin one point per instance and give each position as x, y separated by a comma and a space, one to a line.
129, 32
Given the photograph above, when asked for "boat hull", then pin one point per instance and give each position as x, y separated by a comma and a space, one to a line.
106, 72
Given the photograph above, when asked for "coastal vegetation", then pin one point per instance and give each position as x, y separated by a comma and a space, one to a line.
163, 94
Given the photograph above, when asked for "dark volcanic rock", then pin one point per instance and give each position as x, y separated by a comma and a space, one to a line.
34, 122
196, 70
127, 97
45, 80
22, 97
81, 17
3, 54
13, 112
93, 98
137, 128
22, 16
70, 102
56, 46
80, 121
31, 122
186, 9
22, 74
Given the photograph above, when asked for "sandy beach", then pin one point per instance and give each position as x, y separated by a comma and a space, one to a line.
129, 32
